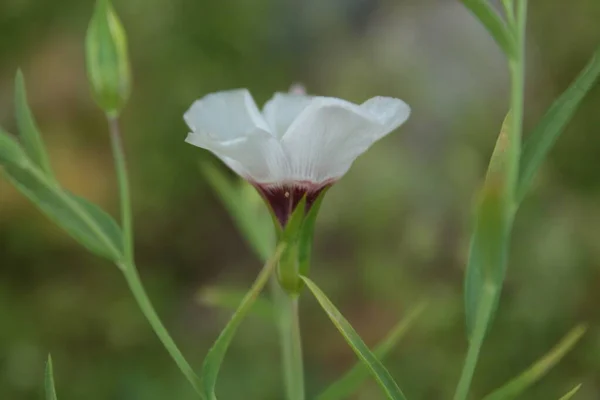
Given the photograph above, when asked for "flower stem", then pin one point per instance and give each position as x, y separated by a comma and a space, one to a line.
484, 312
290, 340
139, 293
123, 182
128, 267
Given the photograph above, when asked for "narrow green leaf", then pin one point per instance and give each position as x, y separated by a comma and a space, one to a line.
248, 214
490, 239
534, 373
49, 380
216, 354
571, 393
230, 299
344, 387
493, 23
545, 134
381, 375
29, 133
85, 222
11, 153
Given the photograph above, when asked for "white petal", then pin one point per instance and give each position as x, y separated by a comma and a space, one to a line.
281, 110
225, 115
390, 112
330, 134
258, 156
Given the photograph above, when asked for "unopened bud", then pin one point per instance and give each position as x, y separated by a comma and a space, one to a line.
107, 59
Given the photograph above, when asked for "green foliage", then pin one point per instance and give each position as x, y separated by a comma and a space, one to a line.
85, 222
216, 354
376, 368
493, 23
107, 59
31, 138
344, 387
49, 388
534, 373
552, 124
288, 271
11, 153
489, 242
571, 393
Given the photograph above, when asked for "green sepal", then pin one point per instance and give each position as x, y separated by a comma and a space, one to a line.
288, 268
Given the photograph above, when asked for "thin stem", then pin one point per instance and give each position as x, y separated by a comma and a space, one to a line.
139, 293
128, 266
517, 73
123, 181
484, 313
290, 341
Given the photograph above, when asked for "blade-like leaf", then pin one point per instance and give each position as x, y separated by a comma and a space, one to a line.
571, 393
493, 23
490, 239
28, 130
379, 372
49, 380
230, 298
11, 153
216, 354
543, 137
85, 222
256, 226
351, 381
519, 384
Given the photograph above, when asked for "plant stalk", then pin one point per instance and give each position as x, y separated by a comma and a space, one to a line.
128, 265
288, 322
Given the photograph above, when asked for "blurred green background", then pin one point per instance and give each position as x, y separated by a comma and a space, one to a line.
392, 233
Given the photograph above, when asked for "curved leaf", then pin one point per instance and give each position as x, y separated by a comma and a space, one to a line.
534, 373
350, 382
84, 221
216, 354
379, 372
571, 393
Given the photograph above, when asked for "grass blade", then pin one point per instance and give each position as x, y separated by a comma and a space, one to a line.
344, 387
216, 354
543, 137
493, 23
571, 393
49, 380
519, 384
379, 372
29, 133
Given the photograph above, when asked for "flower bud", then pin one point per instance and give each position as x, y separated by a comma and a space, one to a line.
107, 59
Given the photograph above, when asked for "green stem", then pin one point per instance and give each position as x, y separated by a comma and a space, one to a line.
139, 293
123, 182
484, 312
290, 340
128, 266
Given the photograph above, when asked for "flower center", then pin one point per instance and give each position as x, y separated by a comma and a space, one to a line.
283, 199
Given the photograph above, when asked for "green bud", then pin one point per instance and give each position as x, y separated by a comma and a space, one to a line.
107, 60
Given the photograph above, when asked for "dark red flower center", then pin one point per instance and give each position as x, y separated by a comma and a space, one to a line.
284, 199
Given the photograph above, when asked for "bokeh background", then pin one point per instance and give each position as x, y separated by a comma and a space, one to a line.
392, 233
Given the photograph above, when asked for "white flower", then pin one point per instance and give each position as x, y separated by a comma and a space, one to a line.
298, 144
